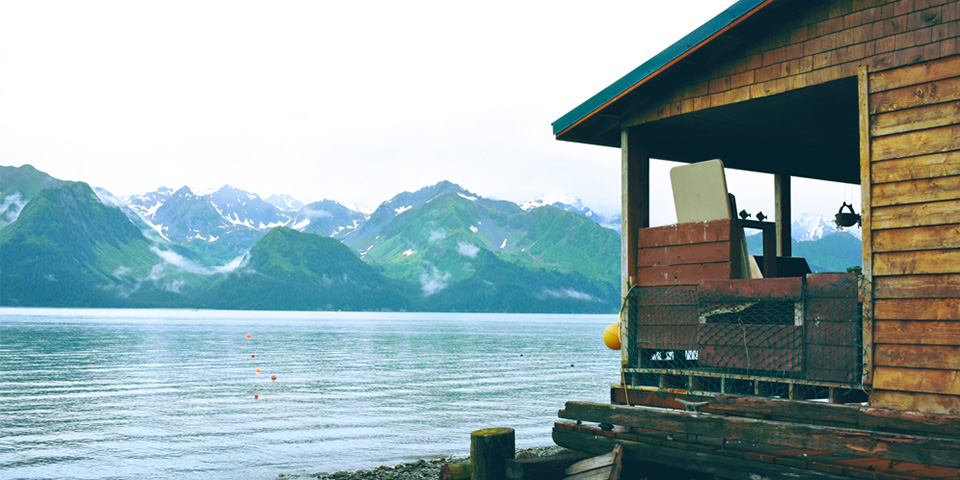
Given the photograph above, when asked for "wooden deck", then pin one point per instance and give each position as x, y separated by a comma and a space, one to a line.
748, 438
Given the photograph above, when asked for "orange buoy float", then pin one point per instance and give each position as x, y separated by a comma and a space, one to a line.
258, 370
249, 336
273, 377
256, 397
253, 355
611, 336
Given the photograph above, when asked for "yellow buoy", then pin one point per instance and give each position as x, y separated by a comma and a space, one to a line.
611, 336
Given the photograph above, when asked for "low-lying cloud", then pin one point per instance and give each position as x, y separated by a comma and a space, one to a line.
570, 293
184, 264
468, 249
433, 281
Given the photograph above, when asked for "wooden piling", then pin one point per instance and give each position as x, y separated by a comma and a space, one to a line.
489, 450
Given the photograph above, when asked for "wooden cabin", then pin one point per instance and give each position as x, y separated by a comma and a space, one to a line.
863, 92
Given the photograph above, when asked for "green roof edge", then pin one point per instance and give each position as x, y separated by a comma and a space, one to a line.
693, 39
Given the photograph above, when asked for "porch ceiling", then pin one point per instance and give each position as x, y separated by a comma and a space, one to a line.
811, 132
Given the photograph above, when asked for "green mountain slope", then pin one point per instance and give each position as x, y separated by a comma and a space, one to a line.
834, 252
289, 270
68, 249
443, 236
18, 185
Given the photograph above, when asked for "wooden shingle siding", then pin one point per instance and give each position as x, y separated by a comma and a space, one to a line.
914, 237
826, 41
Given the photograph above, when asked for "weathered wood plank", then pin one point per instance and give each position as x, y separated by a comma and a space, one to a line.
915, 168
917, 402
728, 467
917, 309
902, 216
929, 116
711, 252
945, 357
591, 463
917, 286
682, 274
917, 262
779, 408
922, 142
598, 474
944, 382
917, 238
915, 74
786, 288
685, 233
929, 332
917, 191
910, 448
870, 418
929, 93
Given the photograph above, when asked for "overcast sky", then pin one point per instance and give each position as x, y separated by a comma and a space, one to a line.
353, 101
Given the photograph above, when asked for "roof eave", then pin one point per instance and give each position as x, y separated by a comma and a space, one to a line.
659, 63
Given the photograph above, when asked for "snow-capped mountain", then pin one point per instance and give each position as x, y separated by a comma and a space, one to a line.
575, 205
807, 227
285, 202
227, 222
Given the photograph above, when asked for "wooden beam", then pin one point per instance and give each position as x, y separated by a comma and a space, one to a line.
908, 448
635, 214
676, 456
855, 416
866, 217
781, 184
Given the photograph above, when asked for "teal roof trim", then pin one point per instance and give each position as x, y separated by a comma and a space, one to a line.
679, 48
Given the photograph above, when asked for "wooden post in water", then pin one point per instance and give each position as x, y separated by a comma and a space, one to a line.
489, 450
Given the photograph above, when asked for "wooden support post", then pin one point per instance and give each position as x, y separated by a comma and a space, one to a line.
635, 214
489, 450
866, 184
782, 214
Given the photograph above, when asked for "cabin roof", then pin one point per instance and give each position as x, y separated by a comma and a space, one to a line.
657, 65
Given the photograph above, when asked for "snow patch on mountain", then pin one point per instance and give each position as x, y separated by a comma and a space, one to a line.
402, 209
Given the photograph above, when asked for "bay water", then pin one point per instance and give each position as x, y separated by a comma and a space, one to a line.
87, 393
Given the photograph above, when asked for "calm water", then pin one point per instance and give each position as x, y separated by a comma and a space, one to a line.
170, 394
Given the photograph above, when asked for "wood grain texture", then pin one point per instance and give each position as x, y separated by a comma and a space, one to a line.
928, 93
917, 309
917, 286
681, 274
915, 168
915, 74
916, 262
945, 357
918, 402
711, 252
902, 216
922, 142
910, 448
917, 238
943, 382
929, 116
916, 191
685, 233
915, 332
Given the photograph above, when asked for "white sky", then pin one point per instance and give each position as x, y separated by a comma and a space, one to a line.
353, 101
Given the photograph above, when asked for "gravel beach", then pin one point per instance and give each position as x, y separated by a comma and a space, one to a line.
418, 470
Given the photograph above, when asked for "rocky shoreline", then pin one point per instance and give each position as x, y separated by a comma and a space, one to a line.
418, 470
